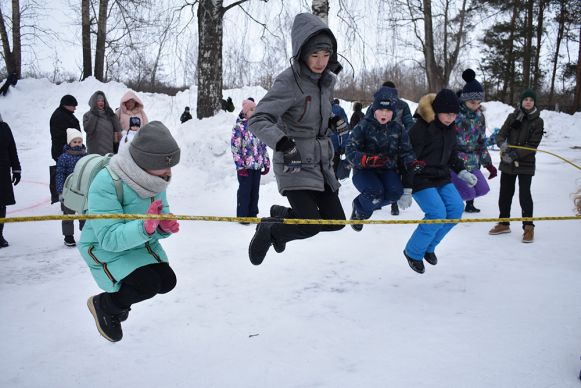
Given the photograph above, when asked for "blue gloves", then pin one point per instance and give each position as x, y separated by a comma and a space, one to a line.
467, 177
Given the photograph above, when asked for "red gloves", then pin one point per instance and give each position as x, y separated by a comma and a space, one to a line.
242, 172
374, 161
492, 170
265, 171
151, 225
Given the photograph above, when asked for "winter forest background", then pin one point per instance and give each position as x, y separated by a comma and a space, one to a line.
422, 45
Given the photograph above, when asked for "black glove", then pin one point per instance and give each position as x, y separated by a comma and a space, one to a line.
338, 125
15, 177
291, 155
417, 166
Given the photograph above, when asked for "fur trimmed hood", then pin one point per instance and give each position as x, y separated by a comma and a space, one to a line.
425, 109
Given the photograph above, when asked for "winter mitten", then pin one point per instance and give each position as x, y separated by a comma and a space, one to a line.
504, 146
417, 166
492, 170
405, 200
151, 225
169, 226
337, 124
509, 157
242, 172
374, 161
15, 177
467, 177
291, 155
265, 171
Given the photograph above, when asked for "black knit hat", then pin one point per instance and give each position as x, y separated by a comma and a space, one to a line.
528, 93
446, 102
319, 42
68, 100
472, 90
134, 122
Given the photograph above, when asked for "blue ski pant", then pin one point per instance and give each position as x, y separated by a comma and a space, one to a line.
442, 202
378, 188
247, 195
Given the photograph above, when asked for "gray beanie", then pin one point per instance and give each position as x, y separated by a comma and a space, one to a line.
318, 42
154, 148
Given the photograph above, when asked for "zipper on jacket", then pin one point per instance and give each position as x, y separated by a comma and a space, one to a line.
305, 106
151, 252
103, 265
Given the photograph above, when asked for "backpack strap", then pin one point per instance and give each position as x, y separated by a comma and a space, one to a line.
118, 185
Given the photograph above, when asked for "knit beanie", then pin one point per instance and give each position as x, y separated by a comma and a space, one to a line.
247, 105
134, 122
472, 90
528, 93
385, 98
318, 42
73, 133
68, 100
446, 102
154, 148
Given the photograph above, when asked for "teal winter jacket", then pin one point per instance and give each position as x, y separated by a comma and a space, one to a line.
113, 248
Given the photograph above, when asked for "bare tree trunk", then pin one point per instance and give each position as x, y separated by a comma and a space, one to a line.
86, 38
577, 100
527, 54
432, 70
320, 8
508, 84
16, 43
101, 35
537, 66
209, 57
560, 32
8, 57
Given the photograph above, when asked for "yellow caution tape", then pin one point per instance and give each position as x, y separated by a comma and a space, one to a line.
546, 152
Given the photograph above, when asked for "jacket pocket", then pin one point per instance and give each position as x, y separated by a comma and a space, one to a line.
306, 106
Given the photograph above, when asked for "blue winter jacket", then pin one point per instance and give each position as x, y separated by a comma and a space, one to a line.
113, 248
65, 164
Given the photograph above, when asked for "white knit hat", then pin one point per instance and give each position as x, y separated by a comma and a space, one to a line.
73, 133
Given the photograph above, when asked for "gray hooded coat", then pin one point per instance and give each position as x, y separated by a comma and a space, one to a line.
299, 106
100, 126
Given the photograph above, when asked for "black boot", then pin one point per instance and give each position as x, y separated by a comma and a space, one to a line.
261, 242
431, 258
470, 207
394, 209
280, 212
3, 242
416, 265
107, 318
70, 241
356, 216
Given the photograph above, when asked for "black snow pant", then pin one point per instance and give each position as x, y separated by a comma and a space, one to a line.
143, 283
2, 215
310, 204
507, 188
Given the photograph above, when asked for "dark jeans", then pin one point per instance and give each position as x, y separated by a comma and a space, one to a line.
247, 196
310, 204
141, 284
378, 188
69, 226
2, 215
507, 187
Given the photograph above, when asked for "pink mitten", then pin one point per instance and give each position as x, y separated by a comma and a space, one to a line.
154, 208
169, 226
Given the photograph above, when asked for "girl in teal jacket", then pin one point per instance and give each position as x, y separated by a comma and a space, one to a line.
125, 256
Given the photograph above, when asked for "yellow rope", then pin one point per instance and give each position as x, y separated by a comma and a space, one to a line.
255, 220
546, 152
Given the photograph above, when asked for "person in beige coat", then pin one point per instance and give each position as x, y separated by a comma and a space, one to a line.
130, 106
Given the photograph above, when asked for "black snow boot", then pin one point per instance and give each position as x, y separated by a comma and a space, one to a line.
431, 258
3, 242
394, 209
355, 216
470, 207
107, 318
70, 241
278, 211
416, 265
261, 242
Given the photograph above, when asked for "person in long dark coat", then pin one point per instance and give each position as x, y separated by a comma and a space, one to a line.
9, 173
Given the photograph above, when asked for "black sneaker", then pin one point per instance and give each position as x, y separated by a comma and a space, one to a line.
3, 243
416, 265
279, 212
470, 207
355, 216
70, 241
261, 242
109, 325
394, 209
431, 258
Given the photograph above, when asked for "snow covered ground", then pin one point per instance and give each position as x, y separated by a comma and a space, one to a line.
339, 310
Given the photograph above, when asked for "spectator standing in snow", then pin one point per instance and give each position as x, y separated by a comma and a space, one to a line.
339, 126
65, 165
293, 119
186, 115
376, 149
251, 161
10, 173
471, 141
125, 256
524, 127
433, 138
129, 106
134, 125
62, 118
357, 114
101, 125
